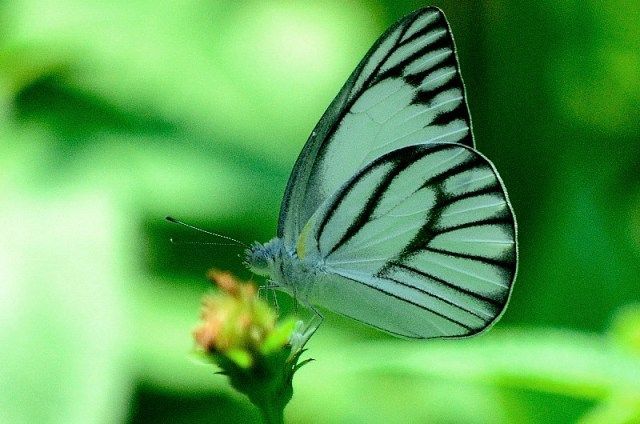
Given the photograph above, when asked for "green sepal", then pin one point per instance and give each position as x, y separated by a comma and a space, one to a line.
267, 382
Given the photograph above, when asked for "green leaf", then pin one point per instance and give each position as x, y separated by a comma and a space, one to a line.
625, 330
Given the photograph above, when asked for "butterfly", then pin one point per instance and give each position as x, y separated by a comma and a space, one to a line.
391, 216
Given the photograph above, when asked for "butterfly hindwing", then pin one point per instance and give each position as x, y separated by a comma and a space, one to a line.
424, 238
406, 91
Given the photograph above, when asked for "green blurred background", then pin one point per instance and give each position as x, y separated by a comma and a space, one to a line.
115, 114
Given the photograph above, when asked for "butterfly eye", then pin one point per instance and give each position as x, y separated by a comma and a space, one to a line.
257, 259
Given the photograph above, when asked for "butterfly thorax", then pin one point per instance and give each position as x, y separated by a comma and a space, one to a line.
283, 268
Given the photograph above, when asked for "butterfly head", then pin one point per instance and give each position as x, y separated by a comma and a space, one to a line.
259, 258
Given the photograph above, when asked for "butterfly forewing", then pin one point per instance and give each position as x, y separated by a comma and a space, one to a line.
425, 236
406, 91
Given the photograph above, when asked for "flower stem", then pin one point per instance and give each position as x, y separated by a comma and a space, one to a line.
272, 414
267, 384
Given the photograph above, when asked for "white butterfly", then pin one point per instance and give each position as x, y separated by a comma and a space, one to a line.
390, 216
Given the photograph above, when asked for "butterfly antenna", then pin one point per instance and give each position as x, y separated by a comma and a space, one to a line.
177, 221
275, 301
179, 242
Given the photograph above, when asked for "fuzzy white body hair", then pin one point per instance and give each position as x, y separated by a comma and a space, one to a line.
284, 269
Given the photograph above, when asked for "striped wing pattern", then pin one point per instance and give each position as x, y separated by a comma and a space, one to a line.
420, 243
406, 91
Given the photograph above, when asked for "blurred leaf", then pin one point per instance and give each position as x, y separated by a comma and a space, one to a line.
625, 330
62, 311
215, 68
553, 361
623, 409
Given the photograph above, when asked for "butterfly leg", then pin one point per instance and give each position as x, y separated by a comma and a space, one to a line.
313, 323
303, 332
269, 288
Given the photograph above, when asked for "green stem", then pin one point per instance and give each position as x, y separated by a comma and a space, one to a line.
272, 413
267, 383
